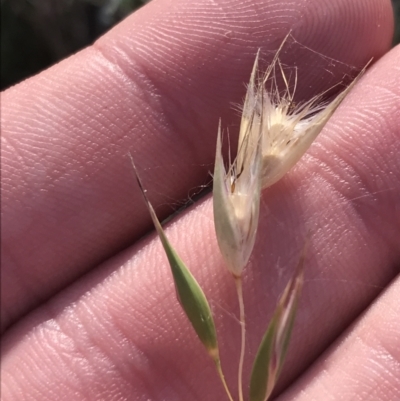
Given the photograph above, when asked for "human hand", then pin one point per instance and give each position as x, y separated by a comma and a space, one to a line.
84, 319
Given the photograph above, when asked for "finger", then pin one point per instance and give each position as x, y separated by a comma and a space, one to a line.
363, 364
67, 202
121, 331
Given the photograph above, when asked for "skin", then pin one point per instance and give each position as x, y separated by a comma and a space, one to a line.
88, 308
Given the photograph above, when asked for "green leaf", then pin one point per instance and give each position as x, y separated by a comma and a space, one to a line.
274, 345
189, 292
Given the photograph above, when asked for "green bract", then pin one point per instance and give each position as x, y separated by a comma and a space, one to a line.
189, 293
273, 348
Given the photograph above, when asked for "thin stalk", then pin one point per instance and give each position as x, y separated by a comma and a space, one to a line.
239, 289
222, 377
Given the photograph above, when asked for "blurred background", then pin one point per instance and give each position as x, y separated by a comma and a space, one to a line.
37, 33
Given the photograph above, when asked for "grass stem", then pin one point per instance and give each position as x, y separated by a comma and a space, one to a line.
222, 377
239, 289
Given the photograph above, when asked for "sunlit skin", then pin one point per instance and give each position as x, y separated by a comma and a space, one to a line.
88, 308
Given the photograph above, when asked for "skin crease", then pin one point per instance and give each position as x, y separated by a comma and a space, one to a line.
69, 197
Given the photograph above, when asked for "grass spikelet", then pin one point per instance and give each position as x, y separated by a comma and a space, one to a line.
236, 199
274, 345
288, 129
189, 293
